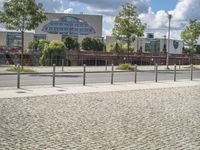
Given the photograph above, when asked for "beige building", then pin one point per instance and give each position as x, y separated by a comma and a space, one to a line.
57, 27
12, 39
73, 25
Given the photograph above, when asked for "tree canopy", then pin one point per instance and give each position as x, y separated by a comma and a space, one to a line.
37, 45
191, 34
128, 25
90, 44
53, 53
22, 15
71, 44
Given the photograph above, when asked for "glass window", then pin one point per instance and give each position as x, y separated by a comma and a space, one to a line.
70, 24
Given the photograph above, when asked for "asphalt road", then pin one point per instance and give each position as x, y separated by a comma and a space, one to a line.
77, 78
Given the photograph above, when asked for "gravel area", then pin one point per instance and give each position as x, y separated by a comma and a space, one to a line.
128, 120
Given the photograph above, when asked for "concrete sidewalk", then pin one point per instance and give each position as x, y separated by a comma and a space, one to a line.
91, 88
75, 69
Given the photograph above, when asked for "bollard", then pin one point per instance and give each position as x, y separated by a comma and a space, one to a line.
62, 65
135, 73
179, 64
191, 77
174, 72
18, 76
112, 74
54, 73
156, 72
84, 72
106, 67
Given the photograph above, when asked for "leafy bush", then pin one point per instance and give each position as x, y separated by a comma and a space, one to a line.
15, 69
127, 67
71, 43
54, 51
91, 44
118, 47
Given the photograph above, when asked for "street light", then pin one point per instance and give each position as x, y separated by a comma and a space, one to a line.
168, 42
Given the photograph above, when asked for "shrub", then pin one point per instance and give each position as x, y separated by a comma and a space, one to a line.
15, 69
127, 67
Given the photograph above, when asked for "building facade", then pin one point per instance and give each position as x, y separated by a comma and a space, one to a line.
57, 27
152, 45
70, 25
12, 39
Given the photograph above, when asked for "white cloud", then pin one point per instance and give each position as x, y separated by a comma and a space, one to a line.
111, 7
187, 9
107, 32
68, 11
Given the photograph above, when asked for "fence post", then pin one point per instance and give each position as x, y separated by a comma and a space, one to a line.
106, 67
54, 73
174, 72
84, 72
112, 74
51, 61
62, 65
191, 77
156, 72
18, 76
135, 73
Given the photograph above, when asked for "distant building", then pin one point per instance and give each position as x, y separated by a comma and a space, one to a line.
12, 39
152, 45
57, 27
70, 25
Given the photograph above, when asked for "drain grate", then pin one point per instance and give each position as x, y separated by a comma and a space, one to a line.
20, 92
61, 90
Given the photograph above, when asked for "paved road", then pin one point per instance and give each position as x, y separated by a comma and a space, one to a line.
76, 78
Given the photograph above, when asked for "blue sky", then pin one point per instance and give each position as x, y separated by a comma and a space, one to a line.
151, 12
166, 5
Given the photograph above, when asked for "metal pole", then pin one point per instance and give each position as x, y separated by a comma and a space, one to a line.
156, 72
54, 72
18, 76
174, 72
112, 74
191, 72
106, 65
62, 65
167, 60
135, 73
84, 72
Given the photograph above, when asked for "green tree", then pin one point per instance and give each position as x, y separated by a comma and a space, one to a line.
53, 53
22, 15
42, 44
117, 47
87, 44
37, 45
33, 45
128, 25
190, 35
90, 44
71, 44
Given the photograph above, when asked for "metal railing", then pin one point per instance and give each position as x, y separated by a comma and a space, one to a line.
112, 73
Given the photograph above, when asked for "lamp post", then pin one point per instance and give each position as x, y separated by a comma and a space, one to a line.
168, 42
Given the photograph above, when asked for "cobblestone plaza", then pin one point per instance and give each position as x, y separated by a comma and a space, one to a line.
141, 119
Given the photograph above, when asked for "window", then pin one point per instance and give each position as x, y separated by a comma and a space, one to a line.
70, 24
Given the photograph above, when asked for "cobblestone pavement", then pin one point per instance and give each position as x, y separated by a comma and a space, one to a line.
128, 120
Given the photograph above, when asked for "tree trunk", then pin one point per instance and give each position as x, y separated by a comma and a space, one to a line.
22, 50
128, 45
